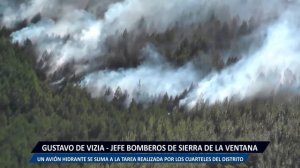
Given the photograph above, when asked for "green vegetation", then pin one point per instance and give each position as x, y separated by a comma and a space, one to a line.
31, 111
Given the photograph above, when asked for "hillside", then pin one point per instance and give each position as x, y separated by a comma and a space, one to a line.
31, 110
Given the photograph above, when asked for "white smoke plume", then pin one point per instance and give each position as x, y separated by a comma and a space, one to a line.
75, 30
271, 69
153, 78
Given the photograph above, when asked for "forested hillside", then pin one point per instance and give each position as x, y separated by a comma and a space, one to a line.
32, 110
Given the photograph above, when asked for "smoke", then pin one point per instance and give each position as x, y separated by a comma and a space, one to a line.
73, 38
151, 79
75, 31
271, 69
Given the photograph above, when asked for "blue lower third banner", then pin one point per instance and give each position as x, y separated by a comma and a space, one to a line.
139, 158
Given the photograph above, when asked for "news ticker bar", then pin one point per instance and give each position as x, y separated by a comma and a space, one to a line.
140, 158
150, 147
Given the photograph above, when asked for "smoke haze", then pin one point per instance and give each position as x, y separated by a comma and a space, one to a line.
75, 31
271, 69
